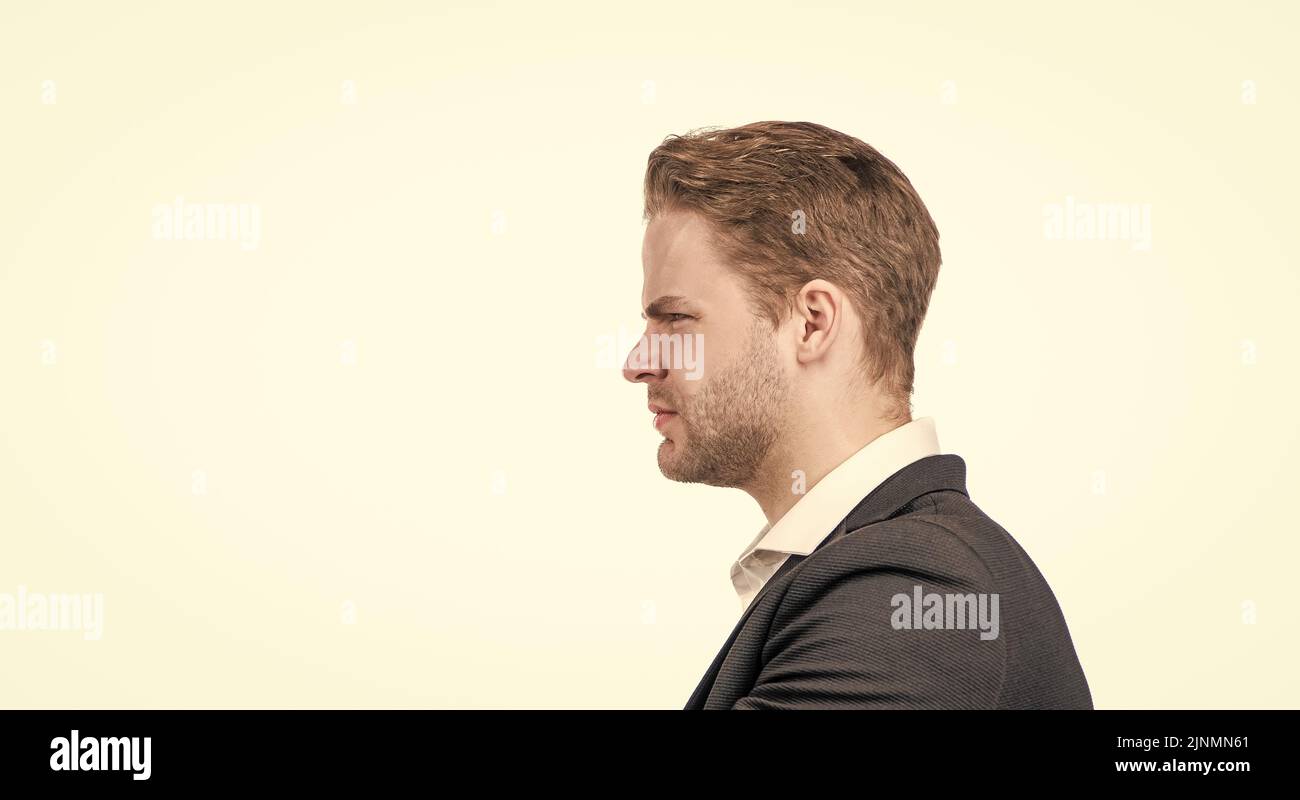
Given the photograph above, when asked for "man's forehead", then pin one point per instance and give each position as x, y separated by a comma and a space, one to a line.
678, 259
673, 285
675, 236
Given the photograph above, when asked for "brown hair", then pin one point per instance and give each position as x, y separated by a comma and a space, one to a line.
866, 230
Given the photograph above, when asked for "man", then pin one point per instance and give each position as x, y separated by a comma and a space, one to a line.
802, 261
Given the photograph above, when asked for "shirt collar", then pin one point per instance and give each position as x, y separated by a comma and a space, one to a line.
814, 515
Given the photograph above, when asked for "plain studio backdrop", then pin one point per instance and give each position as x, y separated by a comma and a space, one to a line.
369, 446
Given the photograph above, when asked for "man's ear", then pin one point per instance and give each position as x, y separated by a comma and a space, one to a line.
819, 311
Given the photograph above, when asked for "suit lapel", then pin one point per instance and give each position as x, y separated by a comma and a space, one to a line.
929, 474
706, 683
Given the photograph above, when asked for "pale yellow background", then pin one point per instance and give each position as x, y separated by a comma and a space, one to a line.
470, 514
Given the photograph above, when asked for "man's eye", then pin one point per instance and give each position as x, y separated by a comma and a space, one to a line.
676, 317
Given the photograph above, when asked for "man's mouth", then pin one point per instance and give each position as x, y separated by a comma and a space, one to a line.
663, 418
663, 415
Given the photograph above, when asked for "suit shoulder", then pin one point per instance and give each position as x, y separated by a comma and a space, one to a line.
923, 546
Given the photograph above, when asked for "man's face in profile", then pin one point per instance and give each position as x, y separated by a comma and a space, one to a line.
720, 427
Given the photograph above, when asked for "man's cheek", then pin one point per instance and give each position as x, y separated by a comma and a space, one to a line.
693, 356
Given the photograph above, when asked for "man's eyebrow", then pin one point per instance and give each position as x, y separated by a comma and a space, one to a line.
662, 306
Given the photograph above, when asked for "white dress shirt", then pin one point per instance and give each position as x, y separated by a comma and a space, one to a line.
817, 513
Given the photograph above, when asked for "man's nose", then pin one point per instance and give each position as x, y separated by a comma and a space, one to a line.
640, 366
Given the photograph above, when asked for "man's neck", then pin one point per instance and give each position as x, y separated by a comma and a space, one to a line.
792, 471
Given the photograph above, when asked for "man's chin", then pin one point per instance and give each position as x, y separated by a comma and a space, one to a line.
667, 450
675, 465
669, 455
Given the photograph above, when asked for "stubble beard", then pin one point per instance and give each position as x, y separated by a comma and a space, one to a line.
733, 422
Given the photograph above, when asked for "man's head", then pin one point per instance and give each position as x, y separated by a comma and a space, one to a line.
803, 261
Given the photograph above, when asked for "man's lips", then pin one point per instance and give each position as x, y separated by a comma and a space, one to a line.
663, 415
663, 418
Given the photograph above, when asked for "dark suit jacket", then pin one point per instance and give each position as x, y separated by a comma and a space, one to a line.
825, 631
